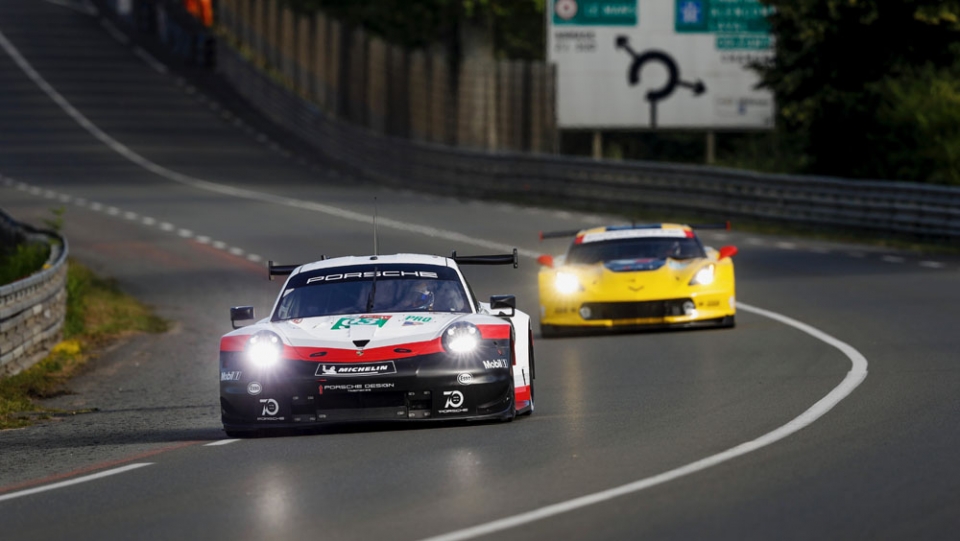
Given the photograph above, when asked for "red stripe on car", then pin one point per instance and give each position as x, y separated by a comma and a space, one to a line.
494, 332
234, 343
522, 394
383, 353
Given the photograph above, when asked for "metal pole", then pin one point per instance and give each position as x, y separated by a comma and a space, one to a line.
597, 145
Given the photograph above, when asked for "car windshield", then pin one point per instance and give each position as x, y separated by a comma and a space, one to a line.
589, 253
370, 289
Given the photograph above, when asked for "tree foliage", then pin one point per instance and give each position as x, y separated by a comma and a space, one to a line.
870, 87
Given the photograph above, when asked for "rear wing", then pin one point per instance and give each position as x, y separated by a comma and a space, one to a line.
574, 232
499, 259
719, 225
283, 270
559, 234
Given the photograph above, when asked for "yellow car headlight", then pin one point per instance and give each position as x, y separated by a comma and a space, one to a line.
567, 283
704, 276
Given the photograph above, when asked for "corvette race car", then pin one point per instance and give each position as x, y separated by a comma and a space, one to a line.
377, 338
636, 276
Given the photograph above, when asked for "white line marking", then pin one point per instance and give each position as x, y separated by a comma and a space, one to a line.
113, 211
64, 198
221, 442
932, 264
786, 245
130, 215
96, 206
71, 482
150, 60
254, 257
755, 241
856, 375
165, 226
114, 32
185, 233
892, 259
148, 221
236, 251
202, 239
219, 245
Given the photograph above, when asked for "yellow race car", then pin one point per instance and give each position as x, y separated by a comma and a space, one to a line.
636, 276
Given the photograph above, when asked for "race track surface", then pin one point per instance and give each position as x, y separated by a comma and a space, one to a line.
182, 198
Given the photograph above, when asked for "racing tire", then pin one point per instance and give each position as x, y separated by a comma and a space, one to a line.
512, 414
728, 322
533, 376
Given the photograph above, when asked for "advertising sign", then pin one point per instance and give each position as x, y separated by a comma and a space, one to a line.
641, 64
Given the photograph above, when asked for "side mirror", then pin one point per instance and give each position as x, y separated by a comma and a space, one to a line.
546, 260
240, 313
500, 302
727, 251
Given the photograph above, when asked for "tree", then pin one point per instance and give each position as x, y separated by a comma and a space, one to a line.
845, 77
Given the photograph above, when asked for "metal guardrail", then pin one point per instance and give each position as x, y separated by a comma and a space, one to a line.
32, 310
878, 206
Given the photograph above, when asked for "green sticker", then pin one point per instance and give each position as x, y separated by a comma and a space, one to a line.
419, 319
347, 322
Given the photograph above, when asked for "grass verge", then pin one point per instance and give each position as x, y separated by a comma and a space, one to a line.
98, 313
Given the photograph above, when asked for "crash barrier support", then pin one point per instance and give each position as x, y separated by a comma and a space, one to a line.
32, 310
178, 32
875, 206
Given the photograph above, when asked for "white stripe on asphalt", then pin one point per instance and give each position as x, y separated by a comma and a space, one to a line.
221, 442
856, 375
71, 482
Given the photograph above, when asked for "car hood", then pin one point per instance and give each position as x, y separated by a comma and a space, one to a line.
365, 330
636, 279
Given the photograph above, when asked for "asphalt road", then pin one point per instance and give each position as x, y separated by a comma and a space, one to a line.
181, 194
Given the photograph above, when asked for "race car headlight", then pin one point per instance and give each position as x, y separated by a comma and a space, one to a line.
567, 283
704, 276
461, 337
264, 349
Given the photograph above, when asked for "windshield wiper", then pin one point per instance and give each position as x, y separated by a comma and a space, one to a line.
373, 290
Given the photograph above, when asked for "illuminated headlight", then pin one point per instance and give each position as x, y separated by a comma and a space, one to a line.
566, 283
461, 337
704, 276
264, 349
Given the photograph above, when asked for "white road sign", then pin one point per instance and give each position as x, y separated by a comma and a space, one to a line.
640, 64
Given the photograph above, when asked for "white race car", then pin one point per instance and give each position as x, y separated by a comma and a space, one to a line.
377, 338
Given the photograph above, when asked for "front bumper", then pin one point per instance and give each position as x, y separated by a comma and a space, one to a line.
583, 313
431, 387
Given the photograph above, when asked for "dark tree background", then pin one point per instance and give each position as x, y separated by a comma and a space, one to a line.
869, 88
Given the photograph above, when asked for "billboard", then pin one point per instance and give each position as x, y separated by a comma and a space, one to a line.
641, 64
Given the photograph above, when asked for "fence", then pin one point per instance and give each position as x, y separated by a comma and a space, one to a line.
416, 94
32, 310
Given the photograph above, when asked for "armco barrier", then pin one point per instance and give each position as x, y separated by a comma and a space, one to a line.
32, 310
878, 206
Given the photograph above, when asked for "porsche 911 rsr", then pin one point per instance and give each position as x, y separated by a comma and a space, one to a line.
377, 338
655, 275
